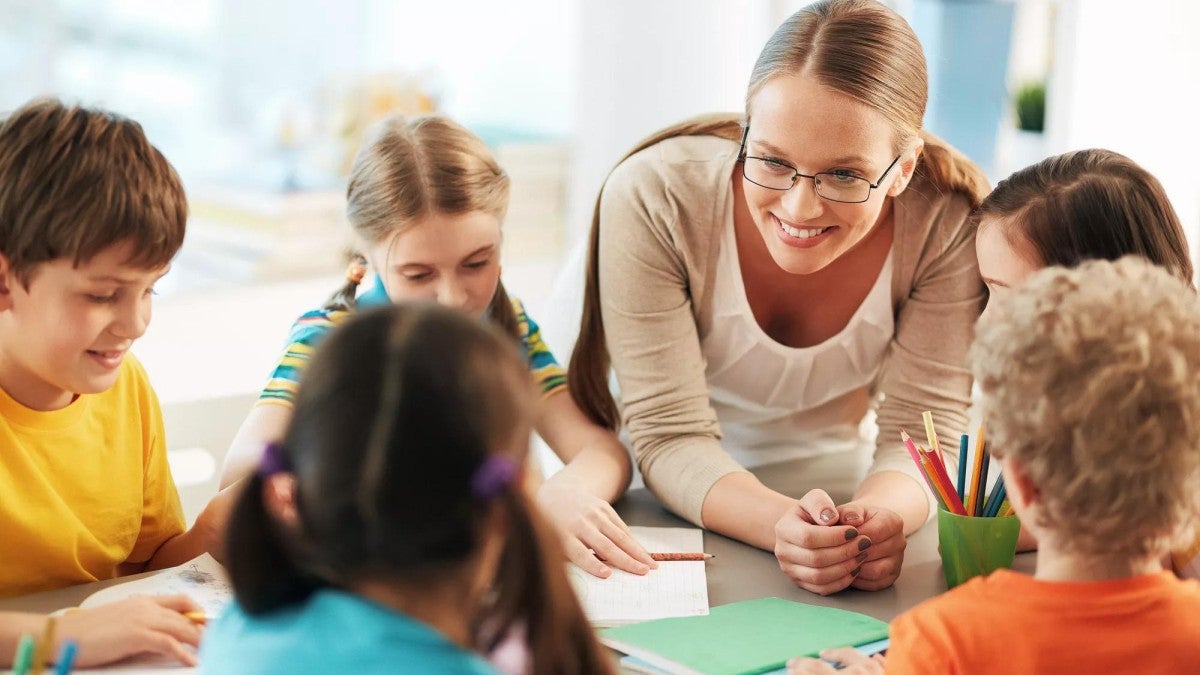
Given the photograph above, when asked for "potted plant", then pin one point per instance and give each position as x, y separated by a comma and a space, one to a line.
1028, 143
1031, 107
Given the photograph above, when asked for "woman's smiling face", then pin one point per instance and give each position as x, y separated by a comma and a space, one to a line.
800, 123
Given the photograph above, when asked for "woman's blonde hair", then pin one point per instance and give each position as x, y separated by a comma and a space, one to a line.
411, 168
857, 47
1089, 381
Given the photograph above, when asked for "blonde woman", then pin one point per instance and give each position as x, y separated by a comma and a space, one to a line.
761, 282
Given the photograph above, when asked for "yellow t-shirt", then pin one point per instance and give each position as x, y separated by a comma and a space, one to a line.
85, 488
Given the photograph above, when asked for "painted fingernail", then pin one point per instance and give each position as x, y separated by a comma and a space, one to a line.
851, 533
827, 515
861, 557
850, 518
856, 571
863, 543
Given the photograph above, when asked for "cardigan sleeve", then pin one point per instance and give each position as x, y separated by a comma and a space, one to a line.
653, 340
926, 368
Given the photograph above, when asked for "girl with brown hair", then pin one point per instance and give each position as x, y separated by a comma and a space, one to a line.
426, 200
389, 531
759, 283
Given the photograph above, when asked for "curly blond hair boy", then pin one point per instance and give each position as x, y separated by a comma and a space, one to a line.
1091, 391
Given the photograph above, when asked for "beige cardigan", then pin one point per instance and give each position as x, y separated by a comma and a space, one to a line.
661, 214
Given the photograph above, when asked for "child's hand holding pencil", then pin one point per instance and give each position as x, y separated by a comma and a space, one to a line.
162, 624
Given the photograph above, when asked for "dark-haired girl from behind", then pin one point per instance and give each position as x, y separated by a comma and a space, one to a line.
389, 532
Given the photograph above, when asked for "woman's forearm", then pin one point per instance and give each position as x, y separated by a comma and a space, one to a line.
897, 492
740, 506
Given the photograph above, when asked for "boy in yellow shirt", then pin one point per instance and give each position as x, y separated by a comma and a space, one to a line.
91, 215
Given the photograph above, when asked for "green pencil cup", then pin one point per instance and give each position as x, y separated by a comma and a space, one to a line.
971, 547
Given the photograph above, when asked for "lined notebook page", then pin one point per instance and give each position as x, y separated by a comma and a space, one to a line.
674, 589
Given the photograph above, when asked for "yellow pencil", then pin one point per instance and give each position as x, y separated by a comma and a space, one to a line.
933, 440
45, 649
196, 617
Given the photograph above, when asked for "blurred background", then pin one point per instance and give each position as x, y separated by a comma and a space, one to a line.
260, 104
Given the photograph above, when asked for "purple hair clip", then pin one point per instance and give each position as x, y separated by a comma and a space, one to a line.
492, 476
273, 461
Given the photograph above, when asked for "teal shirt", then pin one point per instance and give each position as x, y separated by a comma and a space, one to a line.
331, 632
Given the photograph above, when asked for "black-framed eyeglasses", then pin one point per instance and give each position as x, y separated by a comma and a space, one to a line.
775, 174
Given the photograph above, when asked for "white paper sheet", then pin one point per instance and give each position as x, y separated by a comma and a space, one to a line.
203, 580
674, 589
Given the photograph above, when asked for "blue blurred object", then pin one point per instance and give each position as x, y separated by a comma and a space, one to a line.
967, 45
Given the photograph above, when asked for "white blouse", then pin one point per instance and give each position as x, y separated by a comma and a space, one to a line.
777, 403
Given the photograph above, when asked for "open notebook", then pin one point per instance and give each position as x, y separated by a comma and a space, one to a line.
203, 580
674, 589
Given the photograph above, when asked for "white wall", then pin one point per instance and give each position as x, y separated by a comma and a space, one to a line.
645, 65
1127, 77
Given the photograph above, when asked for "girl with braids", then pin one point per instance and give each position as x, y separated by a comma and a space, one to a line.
389, 532
760, 283
426, 200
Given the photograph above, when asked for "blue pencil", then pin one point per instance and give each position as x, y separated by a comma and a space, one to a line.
995, 499
66, 658
962, 467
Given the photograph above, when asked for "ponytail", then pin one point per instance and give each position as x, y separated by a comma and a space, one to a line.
344, 298
261, 568
948, 170
588, 380
533, 589
500, 312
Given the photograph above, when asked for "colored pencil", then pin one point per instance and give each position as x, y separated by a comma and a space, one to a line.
983, 479
66, 658
962, 466
997, 497
920, 460
196, 617
24, 655
928, 417
45, 648
943, 479
931, 475
671, 557
973, 493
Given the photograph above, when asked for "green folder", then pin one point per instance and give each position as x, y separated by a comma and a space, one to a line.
748, 637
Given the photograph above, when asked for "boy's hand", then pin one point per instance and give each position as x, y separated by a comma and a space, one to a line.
138, 625
885, 557
849, 660
818, 551
587, 523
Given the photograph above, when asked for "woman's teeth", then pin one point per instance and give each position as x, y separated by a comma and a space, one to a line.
802, 233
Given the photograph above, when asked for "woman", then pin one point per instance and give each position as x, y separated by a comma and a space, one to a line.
748, 282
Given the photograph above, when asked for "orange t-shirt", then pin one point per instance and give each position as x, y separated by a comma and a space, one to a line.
1012, 623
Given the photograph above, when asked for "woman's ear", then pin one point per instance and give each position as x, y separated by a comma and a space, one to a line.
908, 165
